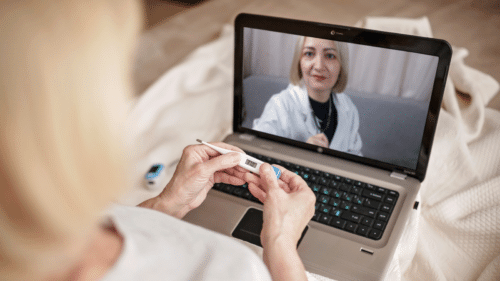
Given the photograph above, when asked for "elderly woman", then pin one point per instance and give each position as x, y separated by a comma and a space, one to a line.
313, 108
65, 77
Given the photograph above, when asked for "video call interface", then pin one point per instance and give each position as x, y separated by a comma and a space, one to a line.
362, 100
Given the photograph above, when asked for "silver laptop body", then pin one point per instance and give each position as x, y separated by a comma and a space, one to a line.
397, 117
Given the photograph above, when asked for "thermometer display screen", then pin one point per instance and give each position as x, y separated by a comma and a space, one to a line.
250, 163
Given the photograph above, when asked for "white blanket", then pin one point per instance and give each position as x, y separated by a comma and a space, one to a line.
455, 235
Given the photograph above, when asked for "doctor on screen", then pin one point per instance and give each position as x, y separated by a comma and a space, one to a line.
313, 108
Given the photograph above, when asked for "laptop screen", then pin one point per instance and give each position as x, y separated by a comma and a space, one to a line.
362, 100
367, 96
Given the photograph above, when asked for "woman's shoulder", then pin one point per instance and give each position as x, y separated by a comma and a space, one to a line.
291, 95
156, 238
344, 101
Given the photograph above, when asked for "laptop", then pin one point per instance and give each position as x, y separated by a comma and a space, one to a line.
367, 176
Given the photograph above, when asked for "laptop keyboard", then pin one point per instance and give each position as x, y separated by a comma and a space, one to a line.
343, 203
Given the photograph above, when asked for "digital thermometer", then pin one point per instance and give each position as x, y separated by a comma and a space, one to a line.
247, 162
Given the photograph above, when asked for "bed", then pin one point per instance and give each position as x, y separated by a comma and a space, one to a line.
183, 79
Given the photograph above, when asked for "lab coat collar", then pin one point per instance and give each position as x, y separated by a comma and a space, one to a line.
342, 111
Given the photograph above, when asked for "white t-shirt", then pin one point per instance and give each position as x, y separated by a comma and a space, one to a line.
160, 247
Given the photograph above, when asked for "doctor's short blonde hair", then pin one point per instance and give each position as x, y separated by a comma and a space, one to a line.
64, 90
296, 72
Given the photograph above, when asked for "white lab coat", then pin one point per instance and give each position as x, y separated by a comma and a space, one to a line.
289, 114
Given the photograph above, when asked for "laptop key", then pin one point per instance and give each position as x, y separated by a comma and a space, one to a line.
393, 193
351, 217
383, 216
373, 195
238, 191
217, 186
370, 213
313, 178
337, 213
358, 200
363, 230
323, 181
327, 175
316, 216
375, 234
334, 184
335, 202
324, 199
364, 211
346, 205
228, 188
355, 190
345, 187
351, 227
390, 200
379, 225
386, 208
338, 223
325, 209
247, 195
326, 191
357, 209
367, 221
337, 194
372, 204
315, 187
324, 218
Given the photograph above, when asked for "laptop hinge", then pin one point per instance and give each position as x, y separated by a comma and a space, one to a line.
398, 175
247, 137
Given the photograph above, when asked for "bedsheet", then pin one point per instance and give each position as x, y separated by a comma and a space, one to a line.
455, 235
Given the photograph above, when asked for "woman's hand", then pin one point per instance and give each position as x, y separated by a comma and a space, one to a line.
288, 204
319, 139
199, 168
288, 207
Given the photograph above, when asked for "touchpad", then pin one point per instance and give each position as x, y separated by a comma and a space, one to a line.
250, 226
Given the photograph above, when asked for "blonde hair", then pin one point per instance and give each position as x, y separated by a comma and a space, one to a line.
296, 72
64, 88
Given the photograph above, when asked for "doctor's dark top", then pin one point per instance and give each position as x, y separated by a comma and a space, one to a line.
289, 114
326, 117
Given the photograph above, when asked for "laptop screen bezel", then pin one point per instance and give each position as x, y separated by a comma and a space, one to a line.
415, 44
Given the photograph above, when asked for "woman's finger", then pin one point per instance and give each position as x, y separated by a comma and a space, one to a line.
221, 162
227, 178
251, 178
212, 152
290, 180
257, 192
323, 137
268, 177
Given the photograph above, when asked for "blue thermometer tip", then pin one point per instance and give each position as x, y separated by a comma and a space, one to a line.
277, 172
